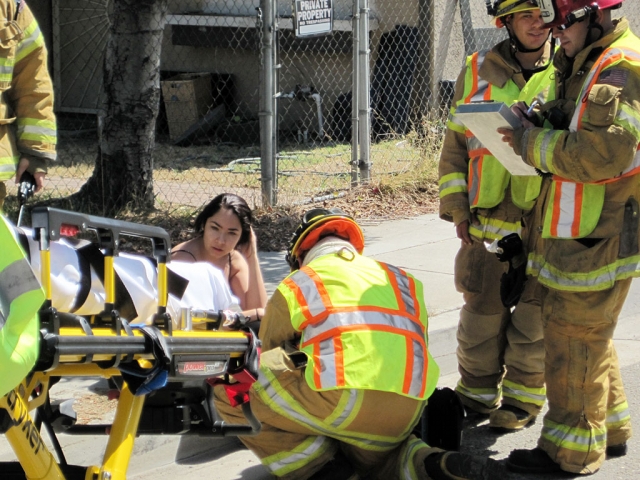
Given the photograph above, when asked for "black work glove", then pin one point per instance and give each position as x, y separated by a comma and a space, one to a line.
510, 249
512, 285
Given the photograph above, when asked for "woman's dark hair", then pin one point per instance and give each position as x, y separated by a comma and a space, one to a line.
232, 202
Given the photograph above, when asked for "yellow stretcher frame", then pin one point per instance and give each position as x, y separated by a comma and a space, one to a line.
95, 346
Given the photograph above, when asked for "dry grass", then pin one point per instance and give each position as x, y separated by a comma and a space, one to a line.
404, 182
409, 188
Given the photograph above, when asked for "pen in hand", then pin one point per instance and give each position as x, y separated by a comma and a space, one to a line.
529, 111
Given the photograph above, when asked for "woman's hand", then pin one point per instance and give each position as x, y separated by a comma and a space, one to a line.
250, 248
255, 294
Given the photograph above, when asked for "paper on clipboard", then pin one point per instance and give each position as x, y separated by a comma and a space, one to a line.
484, 119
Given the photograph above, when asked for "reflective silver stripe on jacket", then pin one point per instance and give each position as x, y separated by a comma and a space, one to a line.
327, 354
605, 279
37, 129
346, 319
16, 279
618, 417
7, 168
309, 292
456, 182
28, 43
499, 230
454, 119
475, 184
405, 290
544, 147
482, 84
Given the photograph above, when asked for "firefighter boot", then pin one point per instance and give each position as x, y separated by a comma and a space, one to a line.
508, 417
617, 450
461, 466
532, 461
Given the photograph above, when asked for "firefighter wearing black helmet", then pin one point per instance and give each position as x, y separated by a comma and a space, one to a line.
345, 370
500, 351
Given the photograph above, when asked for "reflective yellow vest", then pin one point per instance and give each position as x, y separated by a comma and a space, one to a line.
487, 180
482, 164
363, 326
484, 194
21, 297
574, 208
526, 189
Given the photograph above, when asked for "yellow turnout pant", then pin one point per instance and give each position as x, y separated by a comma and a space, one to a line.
302, 429
495, 342
588, 409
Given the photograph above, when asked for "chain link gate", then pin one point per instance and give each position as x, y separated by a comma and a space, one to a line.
208, 129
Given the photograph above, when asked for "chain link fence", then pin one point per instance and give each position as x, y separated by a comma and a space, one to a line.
208, 127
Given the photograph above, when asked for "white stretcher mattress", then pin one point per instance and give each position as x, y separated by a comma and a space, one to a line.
200, 285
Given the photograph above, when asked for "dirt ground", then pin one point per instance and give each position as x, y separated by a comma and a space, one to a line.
182, 185
274, 226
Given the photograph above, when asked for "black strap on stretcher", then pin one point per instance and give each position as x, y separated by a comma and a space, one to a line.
144, 380
91, 256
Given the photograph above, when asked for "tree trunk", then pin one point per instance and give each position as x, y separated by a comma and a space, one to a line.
123, 176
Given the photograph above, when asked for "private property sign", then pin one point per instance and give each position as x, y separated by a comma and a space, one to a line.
313, 17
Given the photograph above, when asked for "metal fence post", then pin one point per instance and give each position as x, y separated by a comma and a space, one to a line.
424, 77
355, 94
441, 53
267, 120
468, 33
364, 95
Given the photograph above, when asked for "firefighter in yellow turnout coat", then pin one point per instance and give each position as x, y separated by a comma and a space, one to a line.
27, 121
586, 221
486, 203
349, 407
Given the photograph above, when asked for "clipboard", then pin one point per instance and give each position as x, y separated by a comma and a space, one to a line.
483, 119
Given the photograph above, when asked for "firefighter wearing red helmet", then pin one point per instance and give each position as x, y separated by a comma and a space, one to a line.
586, 249
500, 351
345, 370
564, 13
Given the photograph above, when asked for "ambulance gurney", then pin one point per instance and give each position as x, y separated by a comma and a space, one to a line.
77, 275
159, 359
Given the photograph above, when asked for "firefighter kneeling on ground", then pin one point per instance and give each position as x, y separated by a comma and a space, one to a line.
345, 371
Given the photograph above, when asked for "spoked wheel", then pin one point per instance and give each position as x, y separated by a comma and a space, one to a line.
80, 33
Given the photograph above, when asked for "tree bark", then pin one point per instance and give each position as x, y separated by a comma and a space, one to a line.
123, 176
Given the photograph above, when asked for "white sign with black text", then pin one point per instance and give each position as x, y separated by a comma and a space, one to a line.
313, 17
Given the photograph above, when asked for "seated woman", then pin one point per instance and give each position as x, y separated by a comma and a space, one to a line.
226, 240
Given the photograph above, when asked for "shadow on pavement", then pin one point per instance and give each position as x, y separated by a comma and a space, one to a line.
194, 450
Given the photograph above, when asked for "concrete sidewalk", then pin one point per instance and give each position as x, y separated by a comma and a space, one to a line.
426, 247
